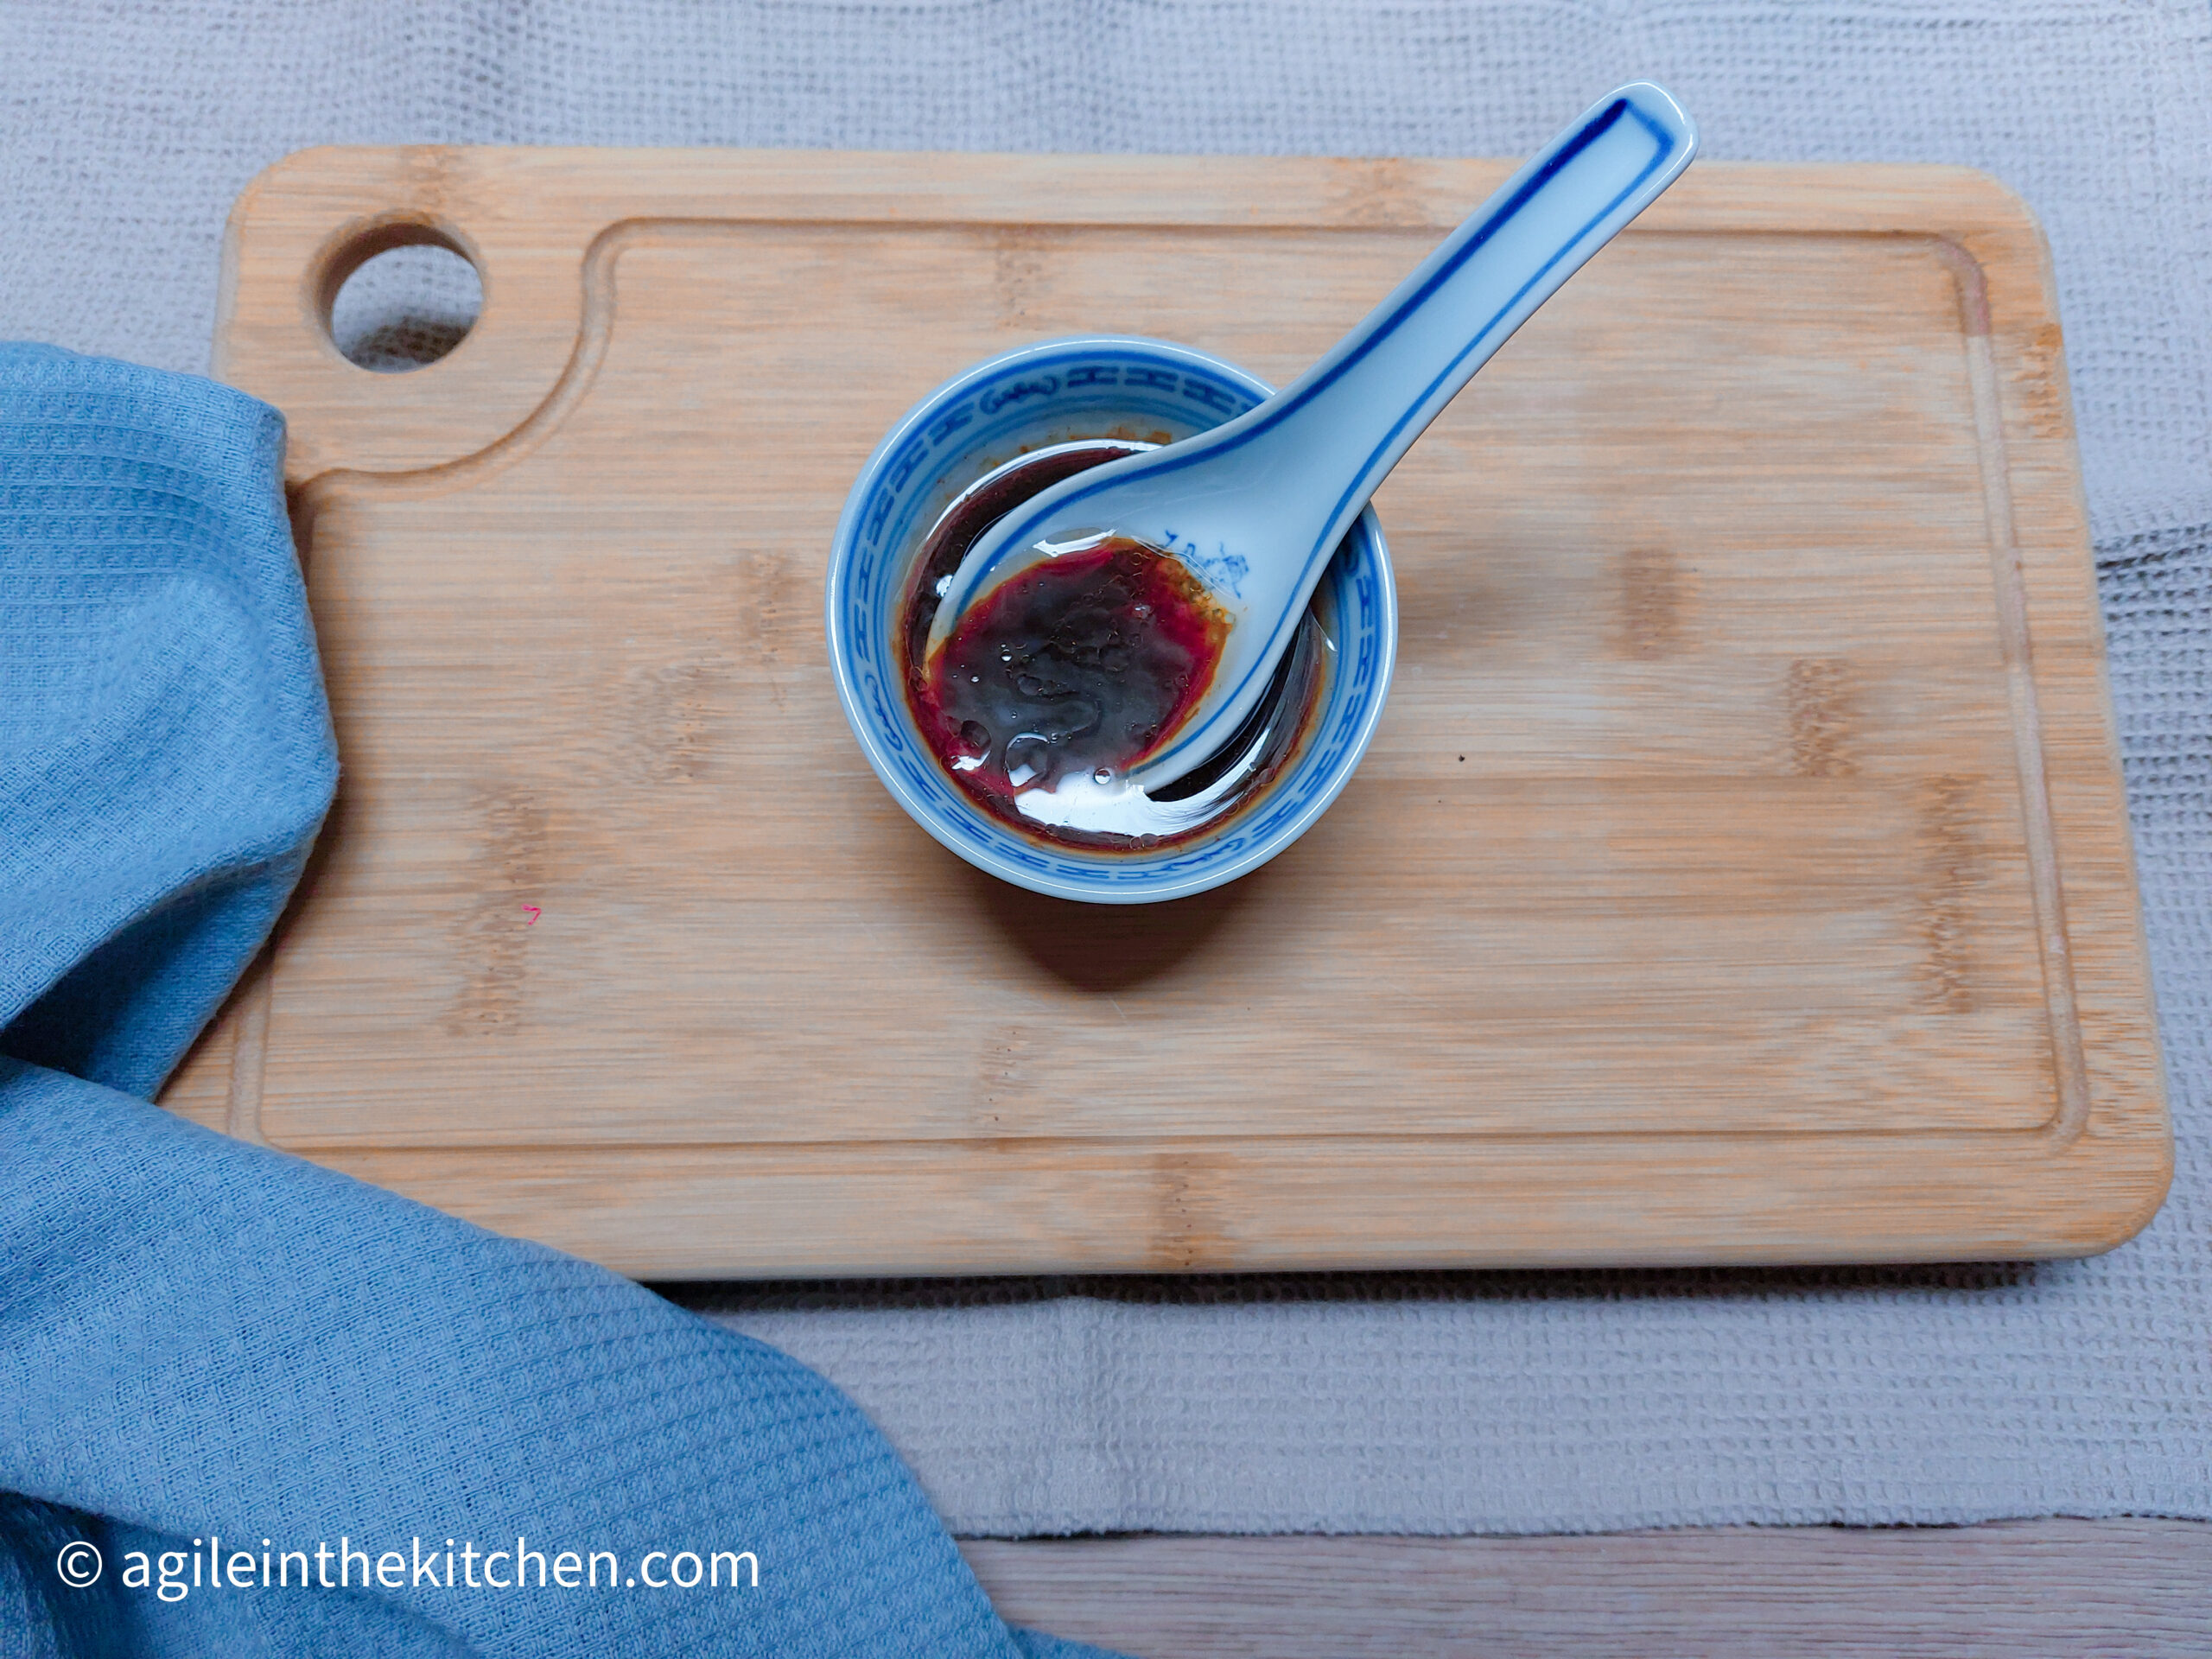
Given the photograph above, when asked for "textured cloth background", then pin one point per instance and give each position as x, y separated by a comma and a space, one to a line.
198, 1336
1410, 1403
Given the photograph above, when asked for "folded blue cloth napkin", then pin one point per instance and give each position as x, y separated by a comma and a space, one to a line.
203, 1340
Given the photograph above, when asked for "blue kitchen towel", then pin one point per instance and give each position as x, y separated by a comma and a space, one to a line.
226, 1372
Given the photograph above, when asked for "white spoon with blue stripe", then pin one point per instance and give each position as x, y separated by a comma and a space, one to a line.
1256, 507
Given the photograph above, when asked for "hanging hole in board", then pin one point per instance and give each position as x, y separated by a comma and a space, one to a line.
400, 297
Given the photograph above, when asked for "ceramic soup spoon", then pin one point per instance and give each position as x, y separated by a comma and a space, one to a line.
1255, 507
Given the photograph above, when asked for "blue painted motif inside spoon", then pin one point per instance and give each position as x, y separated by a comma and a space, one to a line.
1256, 507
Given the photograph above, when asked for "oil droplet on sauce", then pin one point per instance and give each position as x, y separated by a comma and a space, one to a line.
1069, 673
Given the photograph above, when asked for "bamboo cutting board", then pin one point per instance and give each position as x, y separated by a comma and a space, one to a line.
1741, 873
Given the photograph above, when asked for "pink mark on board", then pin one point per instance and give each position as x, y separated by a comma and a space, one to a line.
534, 915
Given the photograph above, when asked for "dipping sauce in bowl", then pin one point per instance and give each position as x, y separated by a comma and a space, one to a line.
969, 451
1059, 680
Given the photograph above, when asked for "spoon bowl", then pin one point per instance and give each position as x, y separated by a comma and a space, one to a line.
1255, 508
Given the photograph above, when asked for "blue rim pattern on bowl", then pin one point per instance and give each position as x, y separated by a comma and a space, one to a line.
983, 415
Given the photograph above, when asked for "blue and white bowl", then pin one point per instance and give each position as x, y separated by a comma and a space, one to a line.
1092, 386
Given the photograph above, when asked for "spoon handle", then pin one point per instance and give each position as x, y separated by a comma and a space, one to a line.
1377, 389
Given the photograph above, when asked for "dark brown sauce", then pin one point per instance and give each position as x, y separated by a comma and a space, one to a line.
1064, 676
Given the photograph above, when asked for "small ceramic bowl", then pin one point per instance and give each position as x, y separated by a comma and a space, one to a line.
1093, 386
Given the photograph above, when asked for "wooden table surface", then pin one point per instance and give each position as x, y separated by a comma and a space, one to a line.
2020, 1588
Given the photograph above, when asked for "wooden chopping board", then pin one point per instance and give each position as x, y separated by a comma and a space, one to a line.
1741, 873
